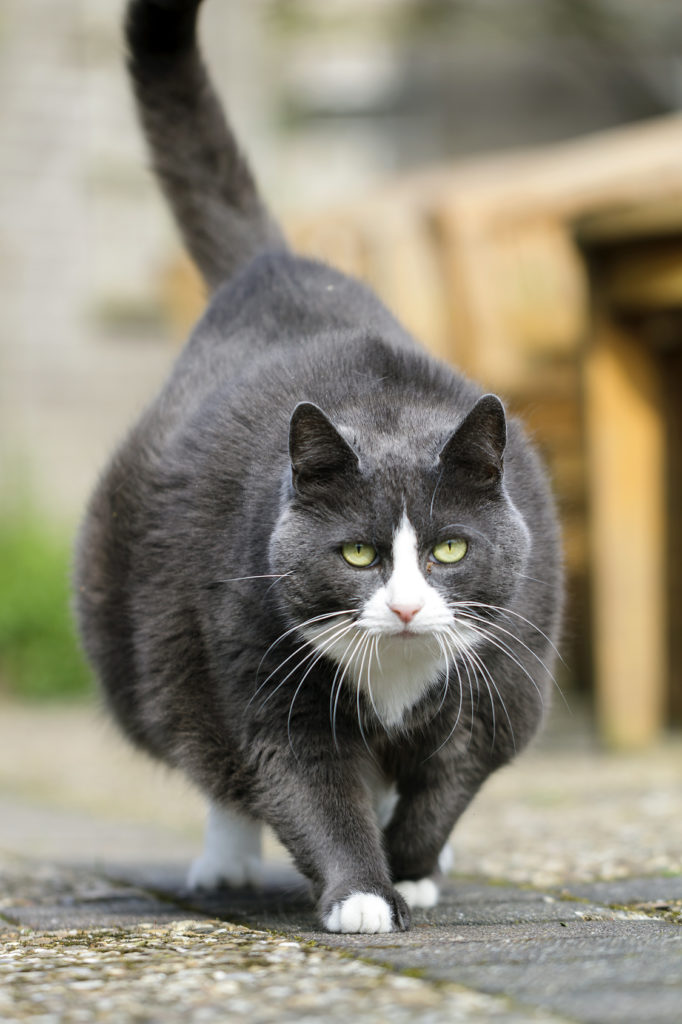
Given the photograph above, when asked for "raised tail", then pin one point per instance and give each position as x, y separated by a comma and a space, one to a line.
204, 176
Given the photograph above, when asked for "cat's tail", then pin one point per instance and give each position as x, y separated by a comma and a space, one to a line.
206, 179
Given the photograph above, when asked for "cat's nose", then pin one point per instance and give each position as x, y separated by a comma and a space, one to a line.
406, 612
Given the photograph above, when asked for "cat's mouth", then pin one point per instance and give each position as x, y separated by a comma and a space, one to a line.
408, 634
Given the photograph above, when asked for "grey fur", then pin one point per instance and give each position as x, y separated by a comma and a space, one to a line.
300, 416
205, 178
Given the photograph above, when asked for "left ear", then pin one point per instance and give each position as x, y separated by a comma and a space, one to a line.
317, 450
476, 448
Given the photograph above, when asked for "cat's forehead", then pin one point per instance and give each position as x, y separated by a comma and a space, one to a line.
406, 442
388, 508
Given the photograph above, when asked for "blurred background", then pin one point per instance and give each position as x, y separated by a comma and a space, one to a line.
506, 173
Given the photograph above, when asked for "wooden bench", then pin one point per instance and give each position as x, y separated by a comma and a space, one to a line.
633, 421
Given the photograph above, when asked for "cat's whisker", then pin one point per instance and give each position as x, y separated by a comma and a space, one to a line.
475, 666
490, 682
435, 492
446, 682
466, 666
296, 651
263, 576
446, 659
377, 644
450, 638
375, 654
471, 616
458, 653
299, 627
508, 611
340, 668
354, 645
367, 638
307, 655
461, 695
507, 651
321, 654
331, 693
274, 583
534, 579
307, 642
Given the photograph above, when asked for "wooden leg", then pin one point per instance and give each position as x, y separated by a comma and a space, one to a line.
625, 439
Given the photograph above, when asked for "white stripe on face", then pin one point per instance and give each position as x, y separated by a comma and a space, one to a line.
407, 590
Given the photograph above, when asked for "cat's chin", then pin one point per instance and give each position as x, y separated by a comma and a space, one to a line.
402, 668
406, 633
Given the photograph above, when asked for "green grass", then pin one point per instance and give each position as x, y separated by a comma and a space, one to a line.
39, 653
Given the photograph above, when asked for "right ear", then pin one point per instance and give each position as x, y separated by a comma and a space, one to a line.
317, 450
476, 448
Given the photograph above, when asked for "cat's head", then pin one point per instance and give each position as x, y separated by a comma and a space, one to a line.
395, 550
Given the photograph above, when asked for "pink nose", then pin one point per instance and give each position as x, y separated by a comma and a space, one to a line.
406, 612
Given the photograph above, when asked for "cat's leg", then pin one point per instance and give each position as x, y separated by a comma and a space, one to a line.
425, 892
323, 813
384, 794
232, 850
433, 795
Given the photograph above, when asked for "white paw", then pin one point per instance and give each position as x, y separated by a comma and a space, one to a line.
446, 859
360, 912
208, 872
423, 893
231, 853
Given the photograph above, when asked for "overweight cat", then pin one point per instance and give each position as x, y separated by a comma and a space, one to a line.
321, 576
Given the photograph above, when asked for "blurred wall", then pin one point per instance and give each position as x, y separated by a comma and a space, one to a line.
330, 96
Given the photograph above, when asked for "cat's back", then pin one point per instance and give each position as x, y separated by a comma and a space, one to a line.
282, 324
284, 330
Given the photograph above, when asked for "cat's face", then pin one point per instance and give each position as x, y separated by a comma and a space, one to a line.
389, 564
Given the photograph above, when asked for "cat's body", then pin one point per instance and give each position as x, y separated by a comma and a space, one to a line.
321, 576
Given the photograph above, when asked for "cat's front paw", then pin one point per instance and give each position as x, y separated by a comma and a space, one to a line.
422, 893
367, 912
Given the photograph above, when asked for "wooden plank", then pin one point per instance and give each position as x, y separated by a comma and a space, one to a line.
655, 217
643, 277
672, 376
625, 435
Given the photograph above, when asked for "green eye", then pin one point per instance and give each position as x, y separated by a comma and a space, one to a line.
449, 551
358, 554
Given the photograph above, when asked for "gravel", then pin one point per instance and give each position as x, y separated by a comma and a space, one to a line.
207, 971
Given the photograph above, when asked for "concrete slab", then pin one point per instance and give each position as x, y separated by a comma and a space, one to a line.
50, 897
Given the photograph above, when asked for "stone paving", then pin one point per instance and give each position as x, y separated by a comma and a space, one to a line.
566, 904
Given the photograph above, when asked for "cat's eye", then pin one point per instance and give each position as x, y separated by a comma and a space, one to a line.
358, 554
450, 551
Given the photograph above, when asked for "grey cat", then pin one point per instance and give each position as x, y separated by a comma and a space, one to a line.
322, 574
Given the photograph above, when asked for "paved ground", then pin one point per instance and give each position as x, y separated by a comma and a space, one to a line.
566, 904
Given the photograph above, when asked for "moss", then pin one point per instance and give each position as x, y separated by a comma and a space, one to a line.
670, 911
39, 653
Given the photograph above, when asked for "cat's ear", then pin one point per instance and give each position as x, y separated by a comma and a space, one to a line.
316, 448
476, 448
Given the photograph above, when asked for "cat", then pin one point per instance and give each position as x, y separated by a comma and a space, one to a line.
322, 574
